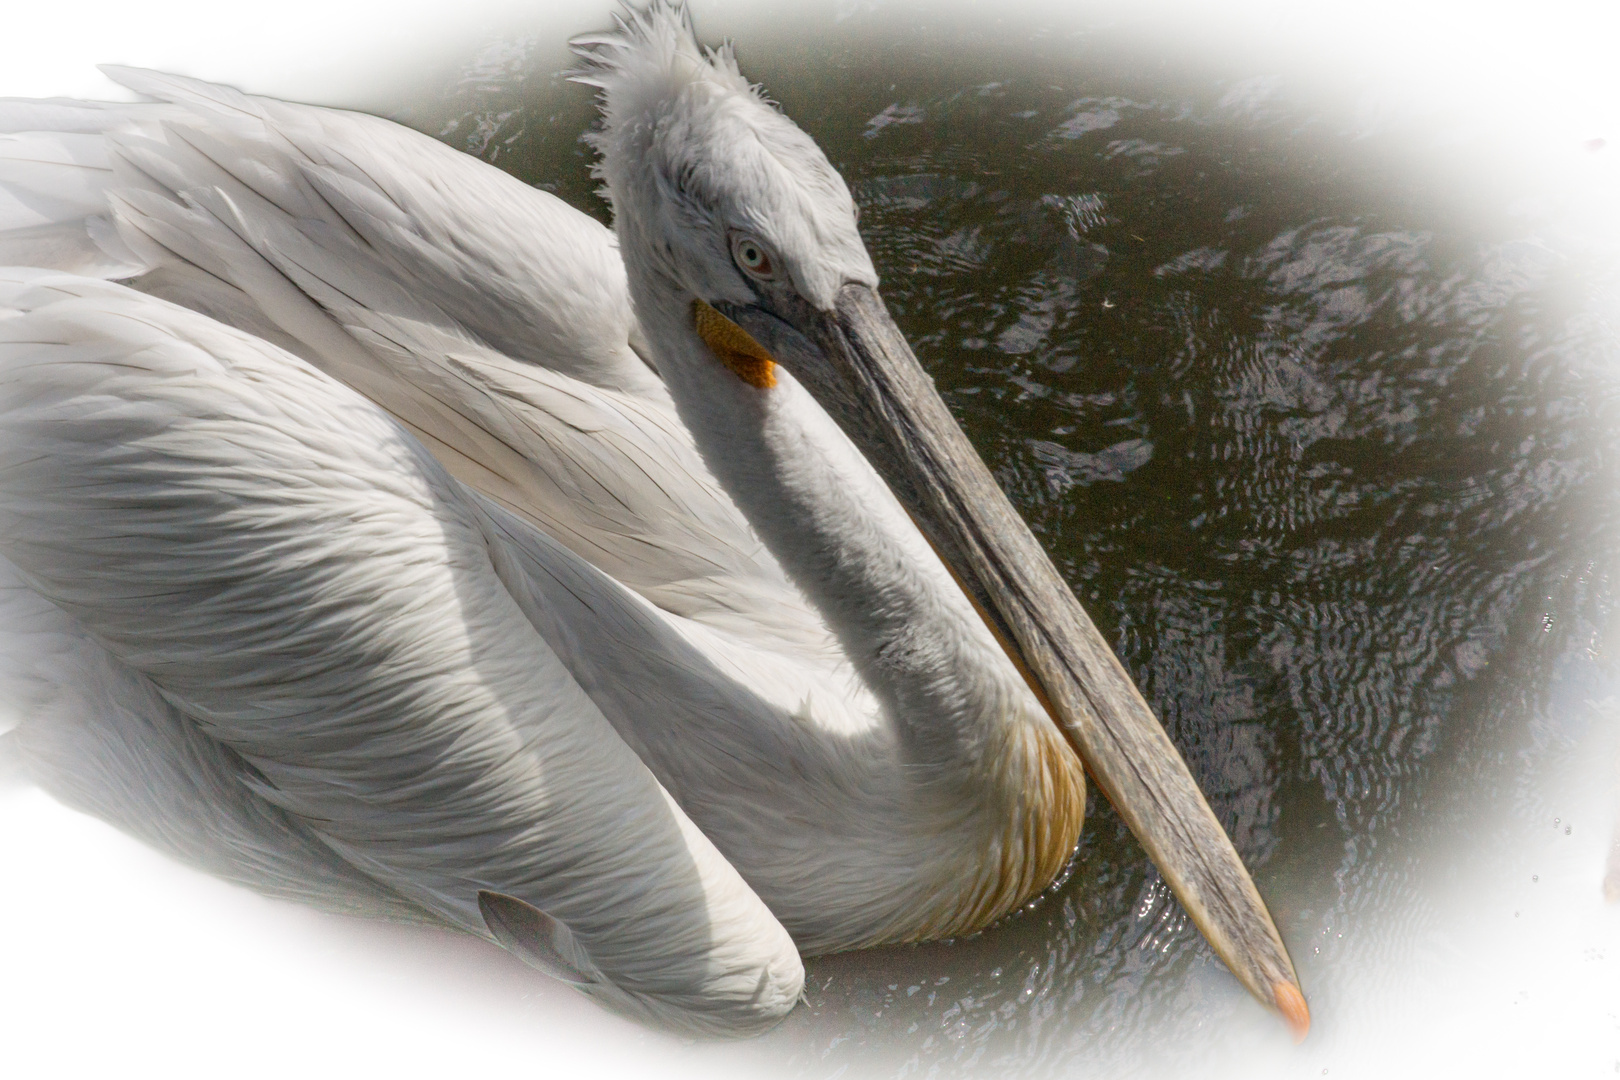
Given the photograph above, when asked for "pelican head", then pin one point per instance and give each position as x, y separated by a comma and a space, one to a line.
702, 171
737, 231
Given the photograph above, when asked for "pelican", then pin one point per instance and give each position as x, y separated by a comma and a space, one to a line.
382, 531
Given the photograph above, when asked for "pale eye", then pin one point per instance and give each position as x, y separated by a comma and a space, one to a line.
752, 257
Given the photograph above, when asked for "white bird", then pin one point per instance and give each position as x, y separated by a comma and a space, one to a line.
397, 537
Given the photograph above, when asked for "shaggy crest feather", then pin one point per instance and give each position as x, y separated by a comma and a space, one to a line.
690, 151
656, 44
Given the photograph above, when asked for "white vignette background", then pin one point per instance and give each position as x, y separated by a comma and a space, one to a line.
115, 960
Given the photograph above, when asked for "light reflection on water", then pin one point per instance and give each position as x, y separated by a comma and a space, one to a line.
1326, 450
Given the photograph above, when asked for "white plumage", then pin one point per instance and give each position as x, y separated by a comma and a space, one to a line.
299, 610
343, 638
396, 539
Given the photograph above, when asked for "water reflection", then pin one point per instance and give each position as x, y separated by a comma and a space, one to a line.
1329, 461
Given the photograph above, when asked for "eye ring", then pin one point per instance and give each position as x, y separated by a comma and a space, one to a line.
752, 257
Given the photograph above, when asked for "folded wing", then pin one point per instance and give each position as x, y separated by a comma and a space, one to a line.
489, 317
272, 561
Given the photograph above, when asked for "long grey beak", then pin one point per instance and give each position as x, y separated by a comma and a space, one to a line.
864, 374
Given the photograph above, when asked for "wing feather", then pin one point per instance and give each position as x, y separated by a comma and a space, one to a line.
490, 318
102, 738
301, 580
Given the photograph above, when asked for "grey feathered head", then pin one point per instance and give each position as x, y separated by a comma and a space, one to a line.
693, 156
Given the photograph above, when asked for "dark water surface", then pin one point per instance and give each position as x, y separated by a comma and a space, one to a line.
1323, 441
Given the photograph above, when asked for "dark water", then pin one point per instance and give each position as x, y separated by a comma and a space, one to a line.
1323, 443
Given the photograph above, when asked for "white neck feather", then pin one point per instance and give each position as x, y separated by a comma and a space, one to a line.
962, 800
844, 540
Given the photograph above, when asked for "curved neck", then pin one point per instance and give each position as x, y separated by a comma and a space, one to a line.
919, 790
841, 536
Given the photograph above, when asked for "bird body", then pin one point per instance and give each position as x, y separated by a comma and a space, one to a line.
398, 537
805, 762
302, 584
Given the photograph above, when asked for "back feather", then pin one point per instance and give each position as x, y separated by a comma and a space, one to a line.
299, 604
489, 317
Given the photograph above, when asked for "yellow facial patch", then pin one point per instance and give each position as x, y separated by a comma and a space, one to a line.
734, 347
